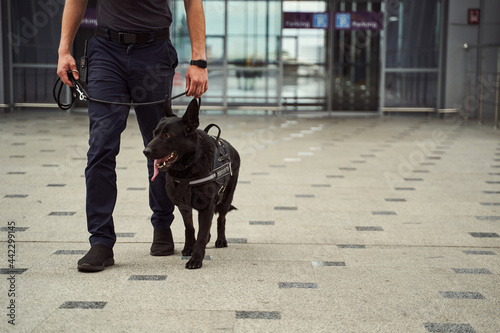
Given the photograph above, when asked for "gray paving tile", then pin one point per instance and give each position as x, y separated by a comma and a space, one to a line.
471, 271
488, 218
62, 213
328, 263
71, 252
384, 212
462, 294
236, 240
16, 196
395, 200
486, 253
17, 229
83, 305
261, 222
285, 208
258, 315
148, 277
125, 234
302, 285
351, 246
369, 228
12, 271
204, 258
484, 234
136, 189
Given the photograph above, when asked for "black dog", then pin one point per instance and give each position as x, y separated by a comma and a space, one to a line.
202, 172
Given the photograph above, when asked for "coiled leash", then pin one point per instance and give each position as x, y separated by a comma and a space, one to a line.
83, 95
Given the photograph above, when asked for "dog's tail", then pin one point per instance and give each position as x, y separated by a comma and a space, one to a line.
231, 207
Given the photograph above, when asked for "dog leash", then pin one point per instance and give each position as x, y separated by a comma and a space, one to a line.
83, 95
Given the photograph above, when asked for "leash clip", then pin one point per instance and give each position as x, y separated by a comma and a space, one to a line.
82, 95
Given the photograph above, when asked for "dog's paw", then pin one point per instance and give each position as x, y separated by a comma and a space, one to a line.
187, 251
221, 243
194, 264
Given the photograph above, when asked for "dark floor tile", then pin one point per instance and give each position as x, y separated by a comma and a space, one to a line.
148, 277
485, 253
347, 169
369, 229
285, 208
288, 285
490, 203
71, 252
488, 218
62, 213
461, 294
305, 196
16, 196
17, 229
56, 185
16, 173
382, 212
351, 246
125, 234
395, 200
83, 305
260, 173
321, 185
261, 222
12, 271
404, 188
236, 240
471, 271
328, 263
334, 176
413, 179
484, 234
491, 192
136, 188
258, 315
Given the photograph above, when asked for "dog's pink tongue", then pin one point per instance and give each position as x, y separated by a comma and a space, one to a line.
156, 172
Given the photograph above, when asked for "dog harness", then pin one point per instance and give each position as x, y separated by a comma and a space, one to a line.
180, 189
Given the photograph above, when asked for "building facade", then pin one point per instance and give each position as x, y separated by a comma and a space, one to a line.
308, 56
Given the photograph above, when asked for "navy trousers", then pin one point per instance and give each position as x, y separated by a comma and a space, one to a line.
124, 73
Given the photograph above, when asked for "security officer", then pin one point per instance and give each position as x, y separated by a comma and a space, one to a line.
131, 59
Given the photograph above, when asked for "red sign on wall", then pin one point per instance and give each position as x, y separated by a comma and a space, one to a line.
473, 16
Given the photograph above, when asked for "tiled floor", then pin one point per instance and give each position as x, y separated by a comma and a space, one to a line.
343, 225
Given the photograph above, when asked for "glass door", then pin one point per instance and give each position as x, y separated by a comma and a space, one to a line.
411, 66
355, 74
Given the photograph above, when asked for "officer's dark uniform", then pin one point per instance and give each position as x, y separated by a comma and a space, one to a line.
131, 58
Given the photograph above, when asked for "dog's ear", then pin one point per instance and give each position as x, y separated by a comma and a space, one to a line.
167, 110
190, 119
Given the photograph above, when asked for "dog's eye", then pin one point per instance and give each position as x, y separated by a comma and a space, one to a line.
168, 135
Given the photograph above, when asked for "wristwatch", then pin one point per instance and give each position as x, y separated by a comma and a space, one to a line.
200, 63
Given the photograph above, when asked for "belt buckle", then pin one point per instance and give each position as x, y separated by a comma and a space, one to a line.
127, 38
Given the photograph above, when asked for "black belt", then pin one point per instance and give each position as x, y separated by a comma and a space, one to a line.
133, 37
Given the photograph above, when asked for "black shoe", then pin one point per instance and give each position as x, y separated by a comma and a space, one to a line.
163, 243
96, 259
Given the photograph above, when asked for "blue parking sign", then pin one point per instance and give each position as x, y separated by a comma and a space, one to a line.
342, 20
320, 20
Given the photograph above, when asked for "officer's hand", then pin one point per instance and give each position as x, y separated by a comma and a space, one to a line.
196, 81
67, 63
